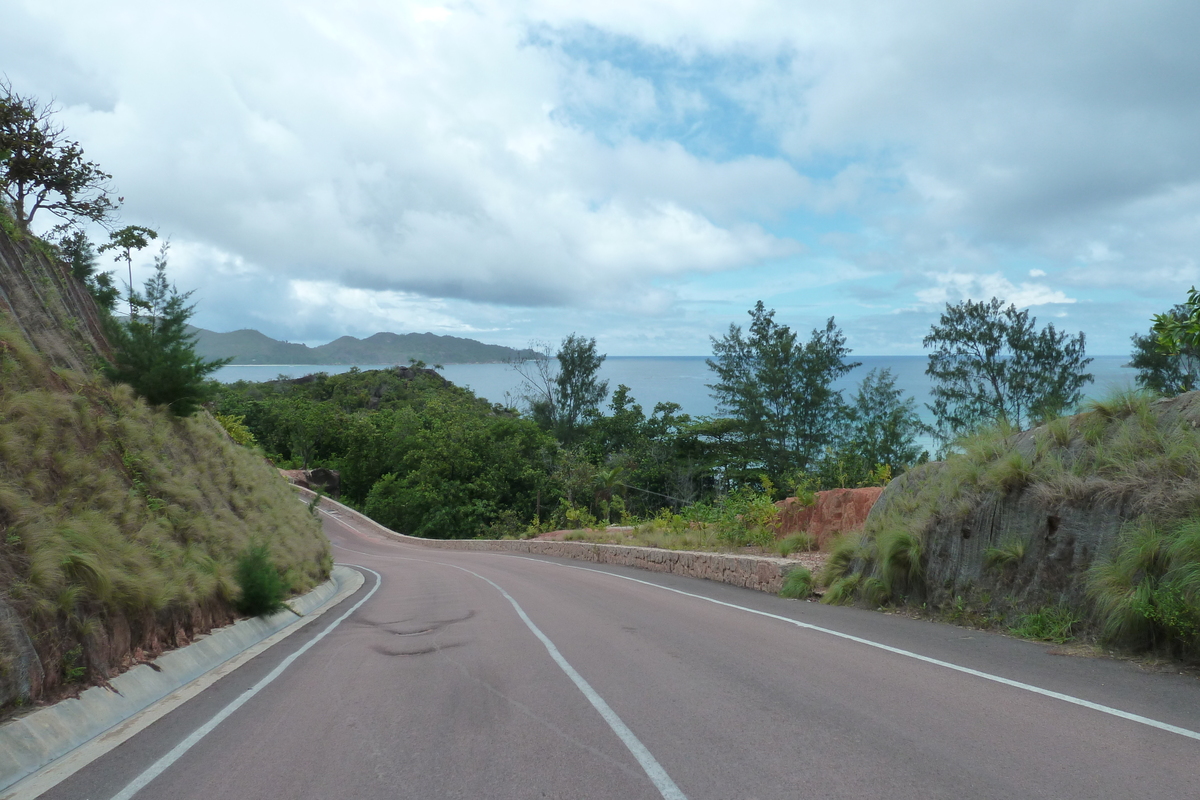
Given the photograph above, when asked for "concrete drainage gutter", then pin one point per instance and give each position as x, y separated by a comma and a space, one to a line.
30, 742
762, 573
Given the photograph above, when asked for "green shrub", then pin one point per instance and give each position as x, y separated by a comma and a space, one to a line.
235, 426
843, 551
1147, 591
1009, 551
797, 584
899, 565
262, 589
797, 541
1047, 624
842, 590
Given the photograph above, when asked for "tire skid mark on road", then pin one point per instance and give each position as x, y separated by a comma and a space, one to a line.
649, 764
1027, 687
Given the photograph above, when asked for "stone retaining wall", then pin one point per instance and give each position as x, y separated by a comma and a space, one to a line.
761, 573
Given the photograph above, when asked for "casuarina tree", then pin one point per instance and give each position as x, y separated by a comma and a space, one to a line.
989, 363
780, 392
154, 352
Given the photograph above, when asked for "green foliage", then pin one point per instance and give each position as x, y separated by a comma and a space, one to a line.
235, 426
111, 509
803, 541
1007, 552
124, 241
80, 256
154, 353
1168, 369
779, 393
1147, 591
844, 550
746, 516
1177, 332
73, 668
990, 363
458, 469
882, 432
42, 170
899, 567
1047, 624
797, 584
562, 392
842, 591
261, 588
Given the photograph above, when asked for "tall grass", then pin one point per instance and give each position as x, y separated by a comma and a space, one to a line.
1123, 452
1147, 591
110, 509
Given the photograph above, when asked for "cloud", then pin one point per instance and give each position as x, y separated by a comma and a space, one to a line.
561, 162
956, 287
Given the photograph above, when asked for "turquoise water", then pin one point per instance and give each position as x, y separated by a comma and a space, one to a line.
679, 379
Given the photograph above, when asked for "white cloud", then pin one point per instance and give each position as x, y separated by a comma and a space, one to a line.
956, 287
625, 159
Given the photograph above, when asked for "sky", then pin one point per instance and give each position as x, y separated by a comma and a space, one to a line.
640, 172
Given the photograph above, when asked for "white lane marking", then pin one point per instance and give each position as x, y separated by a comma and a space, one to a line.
1066, 698
654, 771
160, 766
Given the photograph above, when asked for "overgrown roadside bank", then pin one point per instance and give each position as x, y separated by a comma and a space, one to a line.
1087, 526
121, 524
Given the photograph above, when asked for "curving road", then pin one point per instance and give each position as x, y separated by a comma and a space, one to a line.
486, 675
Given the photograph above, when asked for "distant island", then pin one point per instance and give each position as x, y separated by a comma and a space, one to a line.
252, 347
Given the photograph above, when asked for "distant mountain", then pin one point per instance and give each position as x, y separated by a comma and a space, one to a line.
251, 347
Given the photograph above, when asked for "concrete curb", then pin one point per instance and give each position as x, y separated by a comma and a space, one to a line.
761, 573
29, 743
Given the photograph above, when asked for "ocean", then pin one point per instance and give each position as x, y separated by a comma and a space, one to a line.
678, 379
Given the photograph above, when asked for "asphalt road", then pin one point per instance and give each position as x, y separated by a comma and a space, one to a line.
486, 675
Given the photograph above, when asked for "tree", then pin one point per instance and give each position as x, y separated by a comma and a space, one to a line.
563, 393
990, 363
882, 429
1172, 369
125, 241
80, 256
41, 169
1167, 370
780, 392
154, 353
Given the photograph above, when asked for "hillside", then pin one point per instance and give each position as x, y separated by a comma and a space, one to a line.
120, 526
1090, 523
251, 347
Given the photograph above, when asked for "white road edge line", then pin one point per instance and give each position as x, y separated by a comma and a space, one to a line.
1066, 698
654, 771
160, 766
987, 676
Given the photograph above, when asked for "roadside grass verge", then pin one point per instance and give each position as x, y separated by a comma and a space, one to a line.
115, 516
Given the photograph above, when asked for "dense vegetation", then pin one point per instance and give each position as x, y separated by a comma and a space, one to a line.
124, 516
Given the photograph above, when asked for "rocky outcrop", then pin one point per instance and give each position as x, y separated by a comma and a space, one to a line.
832, 512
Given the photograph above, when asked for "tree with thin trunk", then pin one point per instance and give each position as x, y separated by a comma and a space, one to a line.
42, 170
